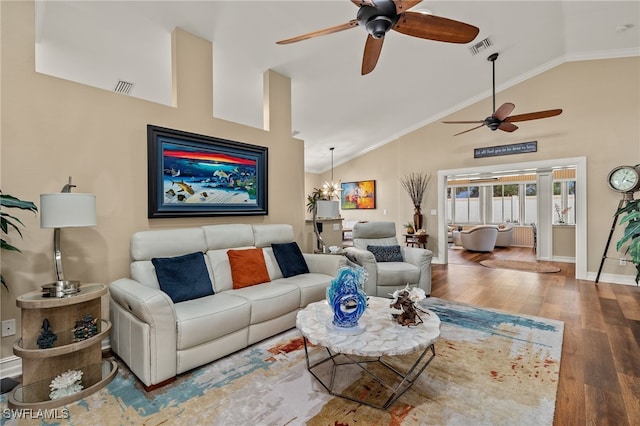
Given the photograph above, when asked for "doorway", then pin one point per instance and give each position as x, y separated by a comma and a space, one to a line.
540, 168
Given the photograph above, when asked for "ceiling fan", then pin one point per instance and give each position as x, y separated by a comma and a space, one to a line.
500, 118
377, 17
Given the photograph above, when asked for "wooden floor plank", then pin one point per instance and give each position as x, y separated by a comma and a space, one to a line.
599, 381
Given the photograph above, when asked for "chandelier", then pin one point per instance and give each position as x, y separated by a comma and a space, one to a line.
330, 190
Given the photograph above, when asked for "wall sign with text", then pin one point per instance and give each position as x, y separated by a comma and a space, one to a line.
516, 148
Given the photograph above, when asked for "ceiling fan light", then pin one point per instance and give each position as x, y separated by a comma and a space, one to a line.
378, 26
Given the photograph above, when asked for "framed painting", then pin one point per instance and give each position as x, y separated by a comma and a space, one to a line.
196, 175
358, 195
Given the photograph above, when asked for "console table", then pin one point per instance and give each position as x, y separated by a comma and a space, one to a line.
41, 366
382, 340
416, 240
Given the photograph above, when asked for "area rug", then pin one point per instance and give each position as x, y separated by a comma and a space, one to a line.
490, 367
520, 265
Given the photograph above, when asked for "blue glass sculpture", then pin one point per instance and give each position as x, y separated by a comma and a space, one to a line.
347, 299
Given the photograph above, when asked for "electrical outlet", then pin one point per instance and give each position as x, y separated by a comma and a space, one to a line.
8, 327
623, 262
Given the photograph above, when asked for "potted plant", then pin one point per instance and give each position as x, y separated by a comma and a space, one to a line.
631, 233
410, 228
8, 221
312, 207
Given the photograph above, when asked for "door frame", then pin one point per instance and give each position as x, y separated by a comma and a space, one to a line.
580, 164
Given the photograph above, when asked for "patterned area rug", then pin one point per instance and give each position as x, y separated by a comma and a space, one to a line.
490, 368
520, 265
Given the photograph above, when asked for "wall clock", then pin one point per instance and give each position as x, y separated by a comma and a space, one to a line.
624, 178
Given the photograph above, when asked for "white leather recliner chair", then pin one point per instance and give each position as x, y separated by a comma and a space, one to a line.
479, 238
383, 278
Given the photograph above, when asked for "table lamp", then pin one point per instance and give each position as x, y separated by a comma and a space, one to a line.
65, 210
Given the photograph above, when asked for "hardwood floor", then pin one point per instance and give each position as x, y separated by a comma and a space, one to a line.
600, 367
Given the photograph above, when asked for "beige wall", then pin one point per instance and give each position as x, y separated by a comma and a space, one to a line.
601, 103
53, 128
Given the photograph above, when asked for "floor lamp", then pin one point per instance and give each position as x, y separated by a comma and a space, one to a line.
65, 210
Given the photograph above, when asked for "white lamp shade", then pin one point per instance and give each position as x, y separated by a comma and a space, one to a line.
66, 209
328, 209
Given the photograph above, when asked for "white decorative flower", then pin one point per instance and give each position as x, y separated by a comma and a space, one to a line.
66, 379
62, 392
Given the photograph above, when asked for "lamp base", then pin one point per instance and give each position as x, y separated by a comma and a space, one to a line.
61, 288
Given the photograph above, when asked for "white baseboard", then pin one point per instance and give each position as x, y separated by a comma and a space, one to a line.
563, 259
11, 366
612, 278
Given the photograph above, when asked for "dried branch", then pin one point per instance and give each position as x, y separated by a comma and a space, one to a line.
416, 185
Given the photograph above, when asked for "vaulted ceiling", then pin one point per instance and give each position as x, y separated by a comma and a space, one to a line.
415, 82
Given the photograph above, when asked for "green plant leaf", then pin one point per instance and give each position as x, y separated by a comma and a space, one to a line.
13, 202
6, 246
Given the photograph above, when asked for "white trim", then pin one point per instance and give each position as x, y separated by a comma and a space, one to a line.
10, 366
563, 259
581, 202
613, 279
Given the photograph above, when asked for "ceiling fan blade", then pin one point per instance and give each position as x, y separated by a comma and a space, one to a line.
436, 28
361, 3
372, 49
506, 126
331, 30
504, 111
534, 115
404, 5
464, 122
473, 128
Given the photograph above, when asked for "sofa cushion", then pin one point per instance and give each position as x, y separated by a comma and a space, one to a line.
247, 267
397, 274
270, 300
209, 318
290, 259
386, 253
183, 277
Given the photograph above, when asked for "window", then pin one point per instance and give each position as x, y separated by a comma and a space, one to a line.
531, 203
506, 203
512, 198
564, 202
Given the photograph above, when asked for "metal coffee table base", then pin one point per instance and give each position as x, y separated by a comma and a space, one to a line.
406, 379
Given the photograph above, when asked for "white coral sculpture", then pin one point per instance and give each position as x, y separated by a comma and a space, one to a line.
65, 384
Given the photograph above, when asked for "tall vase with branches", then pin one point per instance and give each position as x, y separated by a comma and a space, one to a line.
416, 185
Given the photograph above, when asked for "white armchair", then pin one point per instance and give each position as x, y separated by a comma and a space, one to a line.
505, 235
479, 238
383, 278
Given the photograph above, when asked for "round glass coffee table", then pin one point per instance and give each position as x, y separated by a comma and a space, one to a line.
373, 354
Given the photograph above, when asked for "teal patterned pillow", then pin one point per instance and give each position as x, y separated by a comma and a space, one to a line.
386, 253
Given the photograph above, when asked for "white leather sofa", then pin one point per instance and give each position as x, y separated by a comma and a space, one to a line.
505, 235
479, 238
159, 339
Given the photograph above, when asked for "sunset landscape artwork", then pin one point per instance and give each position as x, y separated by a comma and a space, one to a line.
198, 175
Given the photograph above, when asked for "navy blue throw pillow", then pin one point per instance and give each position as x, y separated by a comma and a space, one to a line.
386, 253
290, 259
183, 277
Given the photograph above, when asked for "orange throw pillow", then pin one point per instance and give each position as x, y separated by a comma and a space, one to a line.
247, 267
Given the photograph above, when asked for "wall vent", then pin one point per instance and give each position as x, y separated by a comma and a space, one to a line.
123, 87
480, 46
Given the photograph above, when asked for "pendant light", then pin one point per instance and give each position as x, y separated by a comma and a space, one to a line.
332, 189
